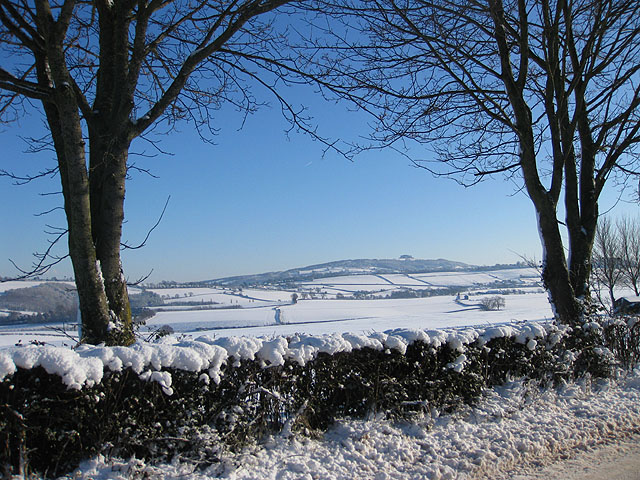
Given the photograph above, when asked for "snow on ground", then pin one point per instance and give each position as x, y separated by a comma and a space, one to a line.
266, 311
318, 317
339, 316
198, 320
519, 277
514, 433
619, 460
222, 296
267, 295
522, 275
25, 334
408, 280
85, 364
349, 280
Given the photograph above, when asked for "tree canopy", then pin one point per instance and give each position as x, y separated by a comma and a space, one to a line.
546, 91
106, 72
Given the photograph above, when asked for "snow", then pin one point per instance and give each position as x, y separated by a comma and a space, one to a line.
254, 313
349, 280
356, 316
85, 365
458, 364
513, 433
387, 283
619, 460
7, 365
163, 378
523, 275
76, 371
222, 296
632, 299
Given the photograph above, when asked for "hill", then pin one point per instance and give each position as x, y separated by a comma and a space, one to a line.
43, 303
345, 267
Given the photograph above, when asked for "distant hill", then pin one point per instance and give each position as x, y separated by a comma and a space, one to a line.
345, 267
47, 302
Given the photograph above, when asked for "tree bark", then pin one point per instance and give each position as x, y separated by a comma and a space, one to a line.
63, 115
556, 273
108, 167
109, 141
64, 122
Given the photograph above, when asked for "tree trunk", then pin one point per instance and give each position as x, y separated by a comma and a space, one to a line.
65, 124
555, 273
581, 200
580, 250
108, 166
75, 187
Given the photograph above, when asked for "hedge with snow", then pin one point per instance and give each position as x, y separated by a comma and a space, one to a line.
193, 398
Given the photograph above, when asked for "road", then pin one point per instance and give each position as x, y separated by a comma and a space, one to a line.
618, 460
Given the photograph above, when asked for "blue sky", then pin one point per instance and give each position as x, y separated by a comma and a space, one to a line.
260, 201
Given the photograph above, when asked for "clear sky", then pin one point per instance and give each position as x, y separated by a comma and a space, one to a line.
261, 201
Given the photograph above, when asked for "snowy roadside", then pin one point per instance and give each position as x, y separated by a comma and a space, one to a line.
619, 460
514, 433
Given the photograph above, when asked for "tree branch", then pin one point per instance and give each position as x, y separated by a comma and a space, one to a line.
125, 246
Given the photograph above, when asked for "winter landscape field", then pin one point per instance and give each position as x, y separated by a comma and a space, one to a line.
514, 433
346, 303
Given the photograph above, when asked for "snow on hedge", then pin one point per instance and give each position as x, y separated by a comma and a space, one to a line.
85, 365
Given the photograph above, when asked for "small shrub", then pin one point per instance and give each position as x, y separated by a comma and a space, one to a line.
622, 336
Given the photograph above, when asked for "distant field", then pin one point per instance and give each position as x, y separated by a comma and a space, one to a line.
265, 311
329, 316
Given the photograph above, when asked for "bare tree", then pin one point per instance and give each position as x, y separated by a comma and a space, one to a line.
607, 265
629, 233
545, 91
114, 70
493, 303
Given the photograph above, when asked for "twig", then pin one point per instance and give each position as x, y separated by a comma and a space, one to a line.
144, 242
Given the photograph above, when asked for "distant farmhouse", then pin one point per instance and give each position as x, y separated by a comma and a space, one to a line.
627, 305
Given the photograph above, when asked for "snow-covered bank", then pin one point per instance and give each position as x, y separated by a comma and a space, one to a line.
511, 432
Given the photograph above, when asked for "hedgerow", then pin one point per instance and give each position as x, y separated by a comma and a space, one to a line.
193, 400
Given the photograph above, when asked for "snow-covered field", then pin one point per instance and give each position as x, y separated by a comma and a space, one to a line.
315, 317
329, 316
524, 277
222, 296
12, 285
265, 311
